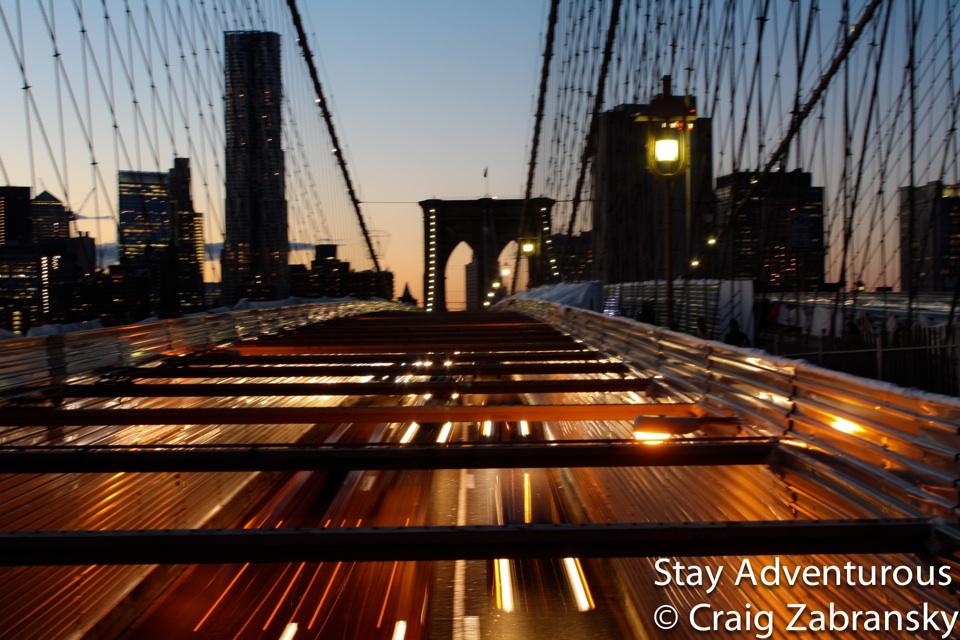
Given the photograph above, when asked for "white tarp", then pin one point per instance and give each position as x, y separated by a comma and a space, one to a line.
582, 295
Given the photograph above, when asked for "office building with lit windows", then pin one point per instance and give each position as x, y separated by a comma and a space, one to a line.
49, 220
773, 231
930, 238
161, 237
255, 253
145, 227
37, 258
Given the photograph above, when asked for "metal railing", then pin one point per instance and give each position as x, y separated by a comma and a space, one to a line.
915, 362
701, 307
850, 444
35, 362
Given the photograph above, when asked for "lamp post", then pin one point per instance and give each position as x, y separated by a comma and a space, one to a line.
529, 249
669, 119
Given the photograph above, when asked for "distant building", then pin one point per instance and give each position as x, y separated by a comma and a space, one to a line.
930, 239
15, 216
472, 294
255, 252
161, 233
365, 285
331, 273
187, 239
84, 250
628, 214
38, 259
49, 220
21, 288
146, 227
407, 297
326, 277
775, 233
120, 297
329, 277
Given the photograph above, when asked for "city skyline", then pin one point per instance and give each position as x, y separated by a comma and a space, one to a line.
426, 110
400, 151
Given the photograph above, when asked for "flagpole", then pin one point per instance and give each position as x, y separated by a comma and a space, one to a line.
486, 182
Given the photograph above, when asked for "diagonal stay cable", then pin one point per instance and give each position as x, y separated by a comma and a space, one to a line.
321, 101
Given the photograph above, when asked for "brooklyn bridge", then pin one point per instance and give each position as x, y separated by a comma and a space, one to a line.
598, 434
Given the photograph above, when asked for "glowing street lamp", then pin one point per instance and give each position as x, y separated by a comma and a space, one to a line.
669, 120
666, 150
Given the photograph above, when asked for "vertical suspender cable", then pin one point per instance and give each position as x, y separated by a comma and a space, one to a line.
537, 126
588, 147
915, 257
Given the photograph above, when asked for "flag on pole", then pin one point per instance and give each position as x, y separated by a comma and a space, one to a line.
485, 172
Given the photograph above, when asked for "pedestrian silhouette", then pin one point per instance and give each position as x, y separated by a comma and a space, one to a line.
736, 337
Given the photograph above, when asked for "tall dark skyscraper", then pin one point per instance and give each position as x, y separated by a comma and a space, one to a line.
776, 236
187, 238
930, 251
629, 215
254, 260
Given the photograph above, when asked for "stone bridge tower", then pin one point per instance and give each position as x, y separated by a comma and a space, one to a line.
487, 225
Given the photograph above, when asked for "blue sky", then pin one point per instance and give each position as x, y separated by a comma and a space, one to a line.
427, 95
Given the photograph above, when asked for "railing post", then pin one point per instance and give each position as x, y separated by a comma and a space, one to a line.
955, 348
878, 338
57, 359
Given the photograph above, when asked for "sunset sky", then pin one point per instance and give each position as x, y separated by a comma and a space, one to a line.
426, 94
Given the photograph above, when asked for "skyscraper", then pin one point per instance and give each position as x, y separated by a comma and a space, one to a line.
776, 236
255, 245
930, 238
629, 239
187, 238
145, 221
162, 235
15, 216
49, 220
36, 258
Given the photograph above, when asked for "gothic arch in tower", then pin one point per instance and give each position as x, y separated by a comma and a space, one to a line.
487, 225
